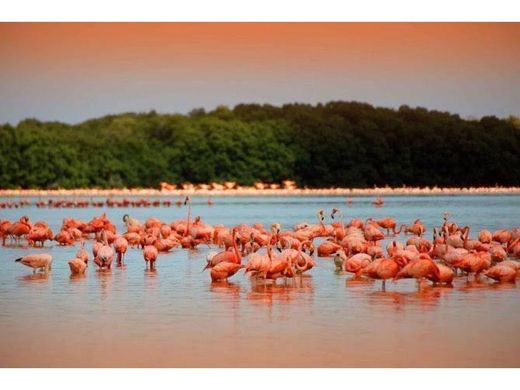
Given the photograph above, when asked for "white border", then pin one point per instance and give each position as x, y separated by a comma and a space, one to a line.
260, 10
263, 379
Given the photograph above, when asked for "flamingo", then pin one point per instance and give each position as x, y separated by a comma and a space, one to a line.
105, 254
228, 256
378, 202
473, 263
328, 248
445, 276
20, 229
82, 252
356, 263
419, 269
224, 270
37, 261
373, 234
384, 268
120, 245
501, 273
150, 254
485, 236
77, 266
258, 265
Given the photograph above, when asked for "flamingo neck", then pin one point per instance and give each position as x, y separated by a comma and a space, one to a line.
188, 221
235, 247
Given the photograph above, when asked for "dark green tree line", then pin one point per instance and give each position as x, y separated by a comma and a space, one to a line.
345, 144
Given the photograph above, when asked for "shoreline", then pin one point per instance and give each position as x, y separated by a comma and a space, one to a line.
251, 191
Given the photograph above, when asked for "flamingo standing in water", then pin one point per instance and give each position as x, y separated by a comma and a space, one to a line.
37, 261
473, 262
82, 252
355, 264
384, 268
378, 202
105, 254
121, 246
225, 264
77, 266
501, 273
419, 269
20, 229
233, 256
150, 254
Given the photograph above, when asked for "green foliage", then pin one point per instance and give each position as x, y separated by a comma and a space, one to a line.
335, 144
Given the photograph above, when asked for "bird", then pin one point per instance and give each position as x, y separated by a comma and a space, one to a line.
37, 261
105, 254
224, 270
77, 266
150, 254
82, 252
384, 268
501, 273
421, 268
120, 246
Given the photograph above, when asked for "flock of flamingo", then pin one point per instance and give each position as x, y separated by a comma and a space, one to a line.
273, 253
84, 203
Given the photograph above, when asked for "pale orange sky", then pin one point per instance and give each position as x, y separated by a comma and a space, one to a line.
73, 71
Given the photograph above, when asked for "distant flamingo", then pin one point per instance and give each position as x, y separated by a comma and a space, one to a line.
378, 202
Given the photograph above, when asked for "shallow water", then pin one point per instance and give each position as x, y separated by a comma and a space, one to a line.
177, 317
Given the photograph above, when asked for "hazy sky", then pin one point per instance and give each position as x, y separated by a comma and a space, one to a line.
71, 72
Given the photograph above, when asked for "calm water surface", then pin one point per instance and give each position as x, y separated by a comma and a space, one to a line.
176, 317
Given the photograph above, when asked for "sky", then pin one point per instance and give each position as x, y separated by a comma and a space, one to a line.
74, 71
